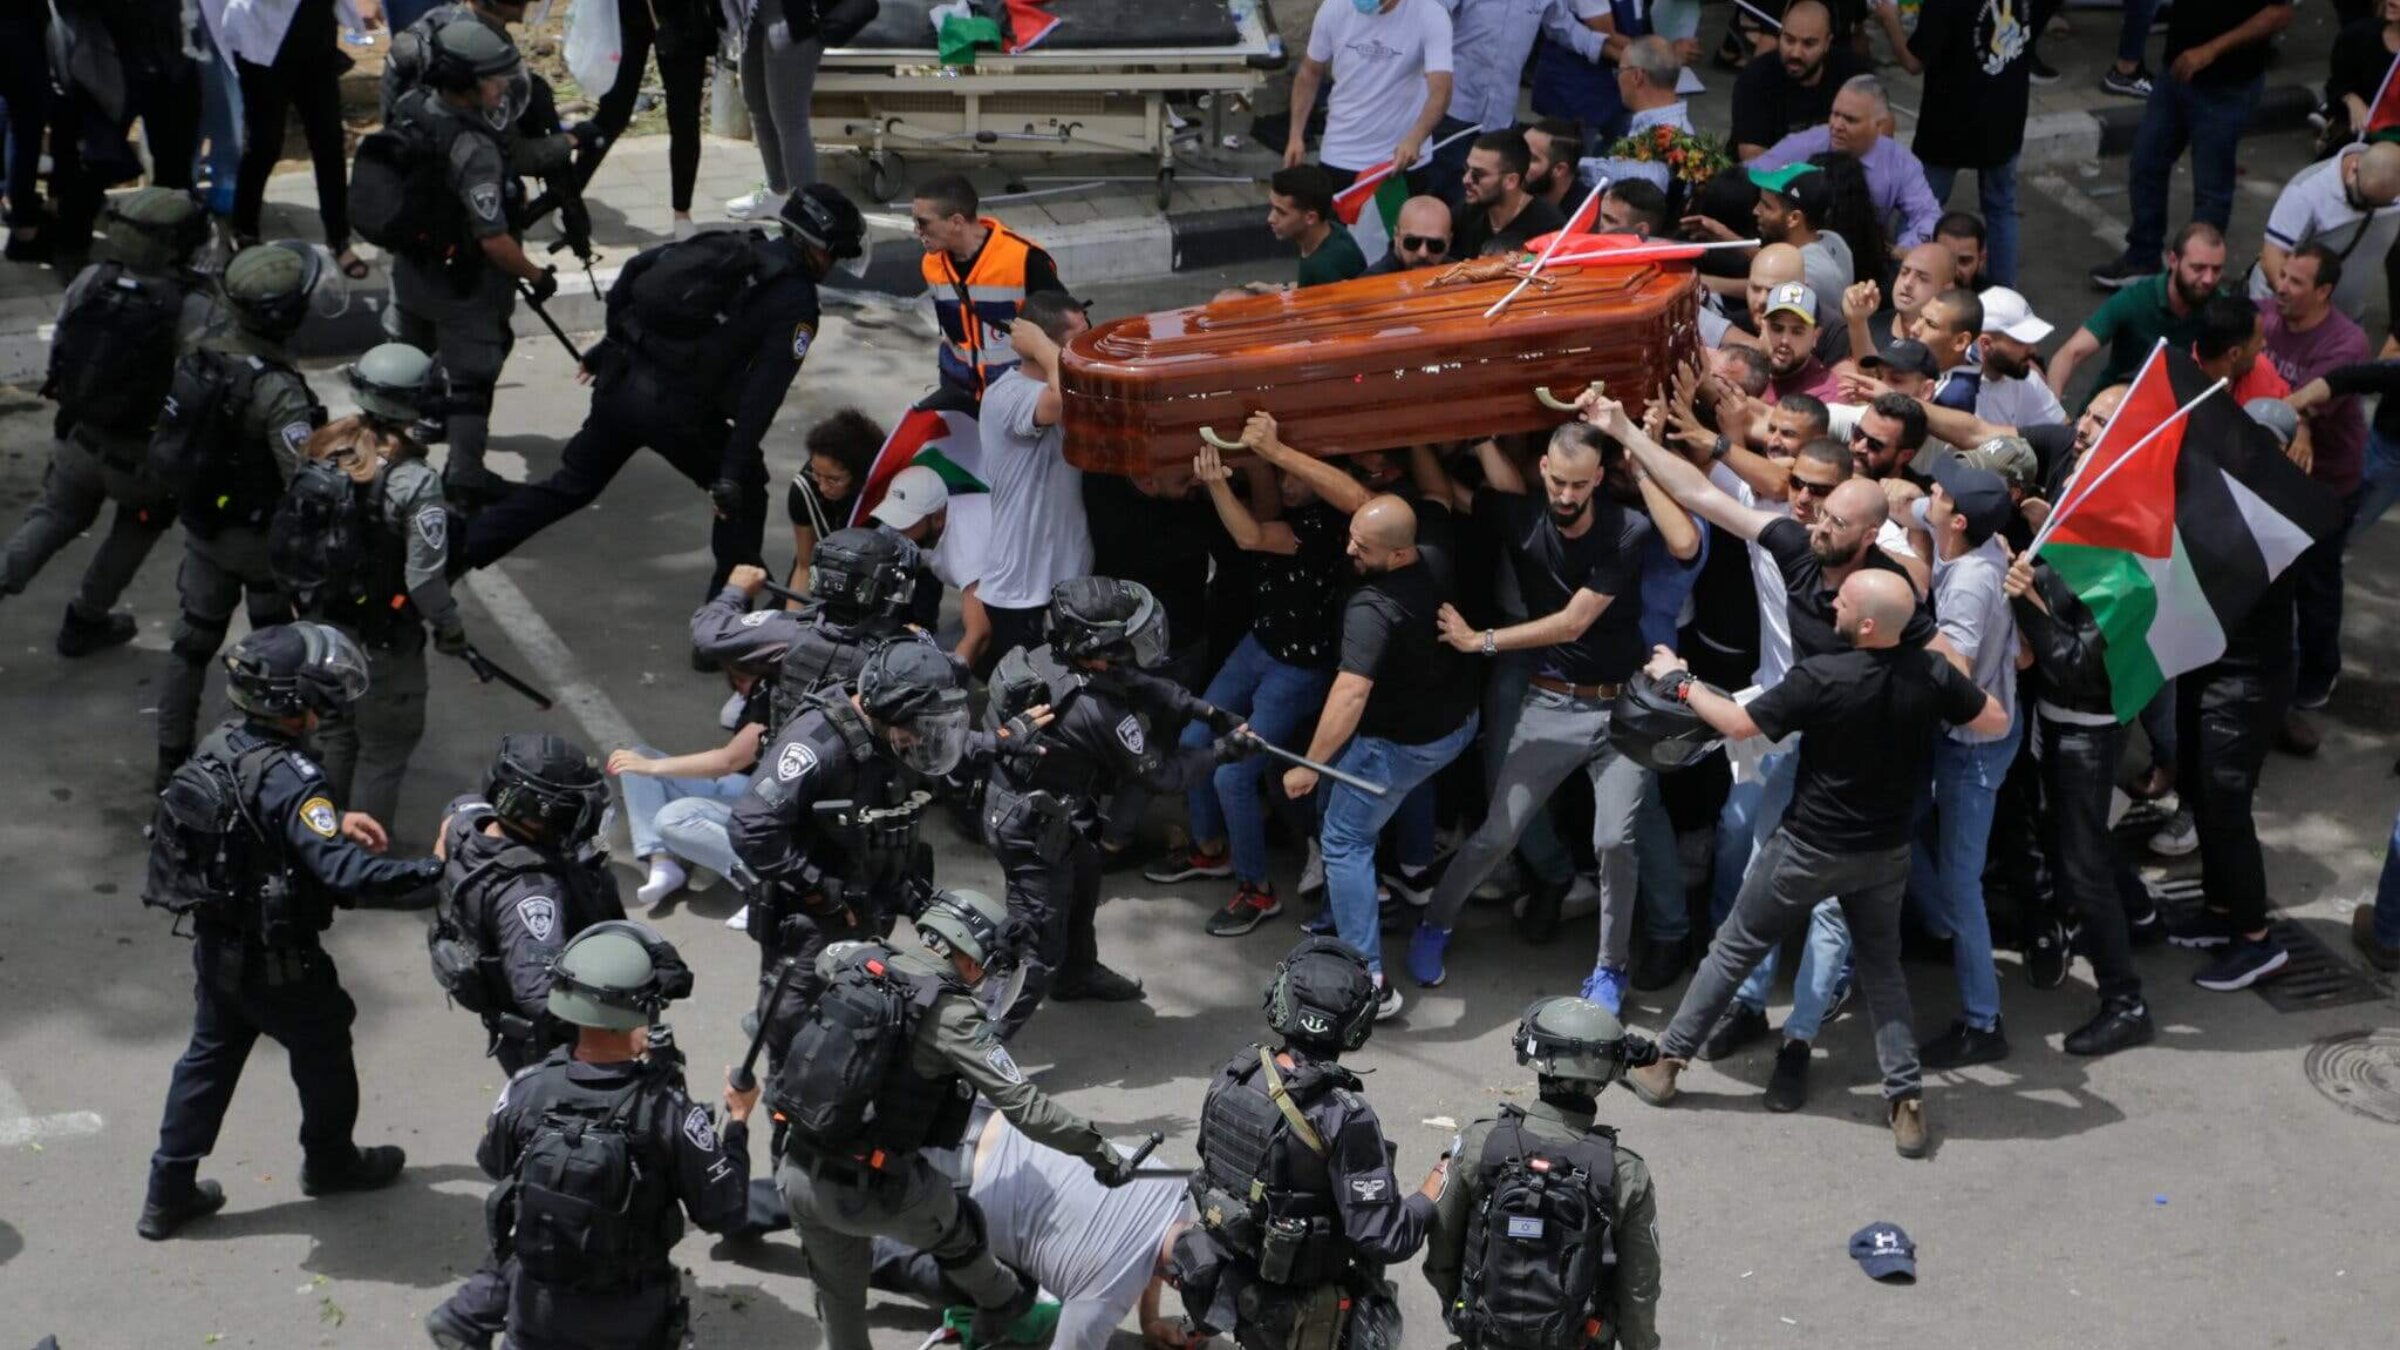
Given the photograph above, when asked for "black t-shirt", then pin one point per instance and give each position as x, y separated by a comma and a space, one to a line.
1424, 689
1551, 568
1164, 544
2192, 22
1471, 227
1870, 718
1977, 87
1296, 594
2054, 448
1809, 600
1769, 105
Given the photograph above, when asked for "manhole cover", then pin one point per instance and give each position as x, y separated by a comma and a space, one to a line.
2359, 1071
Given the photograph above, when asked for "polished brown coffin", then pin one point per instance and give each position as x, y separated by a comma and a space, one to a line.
1375, 363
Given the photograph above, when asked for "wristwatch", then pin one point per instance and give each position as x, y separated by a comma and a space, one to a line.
1491, 642
1717, 451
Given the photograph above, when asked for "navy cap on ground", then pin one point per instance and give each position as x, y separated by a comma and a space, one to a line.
1885, 1253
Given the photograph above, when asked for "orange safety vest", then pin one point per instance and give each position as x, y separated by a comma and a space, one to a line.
975, 346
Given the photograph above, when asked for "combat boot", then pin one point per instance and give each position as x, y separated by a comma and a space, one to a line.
373, 1169
993, 1325
161, 1218
81, 635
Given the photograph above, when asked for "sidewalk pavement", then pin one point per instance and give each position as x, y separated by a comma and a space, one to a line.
1099, 216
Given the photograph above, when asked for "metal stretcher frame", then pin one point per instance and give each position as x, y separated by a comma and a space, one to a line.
881, 101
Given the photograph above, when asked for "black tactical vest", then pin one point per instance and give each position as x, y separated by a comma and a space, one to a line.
1263, 1189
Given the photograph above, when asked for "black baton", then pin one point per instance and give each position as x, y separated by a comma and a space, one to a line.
526, 290
487, 672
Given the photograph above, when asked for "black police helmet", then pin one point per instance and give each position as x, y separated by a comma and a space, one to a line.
820, 216
1322, 996
291, 669
1650, 726
1101, 616
861, 574
546, 788
907, 676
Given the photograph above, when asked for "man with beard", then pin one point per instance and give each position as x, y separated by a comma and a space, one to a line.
1794, 204
1791, 88
1422, 238
2012, 333
1789, 327
2163, 304
1964, 235
1886, 438
1579, 563
1556, 144
1496, 205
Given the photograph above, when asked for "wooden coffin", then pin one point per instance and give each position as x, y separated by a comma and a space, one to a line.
1375, 363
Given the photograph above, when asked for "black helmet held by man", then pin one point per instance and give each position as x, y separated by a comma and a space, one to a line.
1650, 724
295, 670
916, 698
825, 224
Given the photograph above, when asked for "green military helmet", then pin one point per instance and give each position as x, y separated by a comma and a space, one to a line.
967, 923
392, 382
153, 229
616, 976
1573, 1040
274, 287
467, 50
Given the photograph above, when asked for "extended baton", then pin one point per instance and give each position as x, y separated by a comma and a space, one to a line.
487, 672
783, 592
1288, 757
745, 1074
526, 289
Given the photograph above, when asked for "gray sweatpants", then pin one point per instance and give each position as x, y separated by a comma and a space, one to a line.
1784, 884
217, 575
365, 750
777, 86
917, 1205
1555, 735
79, 483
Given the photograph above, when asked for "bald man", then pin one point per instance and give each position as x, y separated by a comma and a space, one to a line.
1870, 714
1771, 266
1421, 238
1402, 705
2349, 203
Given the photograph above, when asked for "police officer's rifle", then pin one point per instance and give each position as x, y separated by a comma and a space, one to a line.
487, 672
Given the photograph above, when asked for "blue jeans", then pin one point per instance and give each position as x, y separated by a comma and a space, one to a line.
2136, 29
694, 829
1949, 875
1996, 197
221, 121
2387, 894
1752, 811
2210, 122
645, 796
1824, 964
1353, 821
1545, 855
1660, 866
1279, 700
2381, 486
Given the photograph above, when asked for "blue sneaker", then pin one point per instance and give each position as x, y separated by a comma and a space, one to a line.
1425, 954
1606, 987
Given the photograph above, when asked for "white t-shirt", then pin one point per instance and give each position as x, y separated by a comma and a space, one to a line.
2313, 207
2022, 402
1379, 63
1091, 1247
1038, 536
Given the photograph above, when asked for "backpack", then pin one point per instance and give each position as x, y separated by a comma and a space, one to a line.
576, 1221
204, 845
1540, 1260
198, 443
844, 1084
113, 355
400, 194
682, 290
332, 554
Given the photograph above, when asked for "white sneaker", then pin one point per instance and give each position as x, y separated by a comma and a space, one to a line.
740, 919
1388, 1002
1582, 898
2177, 837
1312, 872
1504, 881
666, 877
751, 205
1416, 889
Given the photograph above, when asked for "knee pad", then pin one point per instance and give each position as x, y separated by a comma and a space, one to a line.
965, 1241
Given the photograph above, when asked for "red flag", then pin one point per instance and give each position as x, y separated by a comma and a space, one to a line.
940, 432
1353, 199
1599, 248
2383, 115
1028, 24
2139, 510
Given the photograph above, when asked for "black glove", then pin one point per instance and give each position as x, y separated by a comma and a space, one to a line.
1019, 935
541, 288
1239, 746
1114, 1169
1017, 734
450, 641
427, 869
1640, 1051
728, 497
1221, 720
588, 136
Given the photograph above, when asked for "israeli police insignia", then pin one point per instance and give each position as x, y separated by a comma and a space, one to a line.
1369, 1189
754, 620
433, 525
295, 436
539, 914
802, 335
1129, 732
1002, 1065
486, 200
795, 760
318, 815
697, 1129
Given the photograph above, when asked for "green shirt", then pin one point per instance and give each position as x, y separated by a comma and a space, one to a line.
1337, 259
2131, 323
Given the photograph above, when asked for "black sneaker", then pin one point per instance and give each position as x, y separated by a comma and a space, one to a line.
1657, 963
1787, 1089
1740, 1025
374, 1169
2246, 964
469, 489
2049, 954
1415, 889
2121, 1024
1539, 923
1963, 1045
1249, 907
2147, 929
161, 1218
2124, 84
1188, 864
2204, 931
2110, 276
80, 636
1097, 985
2039, 70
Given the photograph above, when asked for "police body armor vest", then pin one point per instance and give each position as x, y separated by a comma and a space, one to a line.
464, 939
1539, 1268
1263, 1190
113, 354
222, 475
337, 556
592, 1205
1025, 678
847, 1088
825, 658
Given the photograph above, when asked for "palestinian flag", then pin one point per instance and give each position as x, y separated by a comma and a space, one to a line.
2173, 543
1029, 23
1371, 208
941, 433
2383, 113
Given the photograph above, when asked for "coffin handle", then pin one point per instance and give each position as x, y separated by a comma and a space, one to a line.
1543, 396
1209, 434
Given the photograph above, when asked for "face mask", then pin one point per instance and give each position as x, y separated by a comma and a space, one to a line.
1367, 6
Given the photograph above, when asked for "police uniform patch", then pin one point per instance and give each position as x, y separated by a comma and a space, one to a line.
795, 760
804, 334
486, 200
1368, 1189
539, 914
433, 525
697, 1128
1002, 1065
295, 436
1129, 732
318, 815
754, 620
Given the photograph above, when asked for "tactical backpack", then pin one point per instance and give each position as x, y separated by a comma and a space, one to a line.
1540, 1260
205, 847
681, 291
1263, 1190
197, 450
577, 1215
334, 556
400, 195
845, 1088
113, 355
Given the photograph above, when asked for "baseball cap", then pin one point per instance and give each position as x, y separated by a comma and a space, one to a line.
2276, 416
1884, 1252
1907, 354
1794, 296
1778, 180
915, 493
2007, 313
1978, 494
1804, 185
2011, 457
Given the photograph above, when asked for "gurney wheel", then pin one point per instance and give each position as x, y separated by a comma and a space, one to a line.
1166, 188
885, 171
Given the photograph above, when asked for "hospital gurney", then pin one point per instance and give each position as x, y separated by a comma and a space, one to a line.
1097, 84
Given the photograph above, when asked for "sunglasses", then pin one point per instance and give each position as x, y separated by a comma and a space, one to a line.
1803, 486
1859, 436
1424, 243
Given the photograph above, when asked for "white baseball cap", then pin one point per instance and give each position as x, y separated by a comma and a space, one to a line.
2008, 313
915, 493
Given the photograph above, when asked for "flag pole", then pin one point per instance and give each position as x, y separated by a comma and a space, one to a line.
2066, 490
1371, 184
1770, 21
2067, 506
1544, 260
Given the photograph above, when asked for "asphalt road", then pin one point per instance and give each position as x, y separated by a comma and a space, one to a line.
2195, 1192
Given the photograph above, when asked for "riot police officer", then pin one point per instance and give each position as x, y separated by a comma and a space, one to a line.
860, 579
120, 329
1042, 814
851, 1167
1298, 1209
381, 578
250, 845
455, 298
1584, 1271
705, 336
238, 417
595, 1147
521, 877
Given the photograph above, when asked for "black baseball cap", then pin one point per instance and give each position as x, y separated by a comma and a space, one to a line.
1905, 354
1884, 1252
1979, 494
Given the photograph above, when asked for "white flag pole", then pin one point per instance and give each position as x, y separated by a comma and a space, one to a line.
1543, 261
2067, 507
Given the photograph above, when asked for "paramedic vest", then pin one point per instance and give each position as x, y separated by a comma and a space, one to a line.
975, 310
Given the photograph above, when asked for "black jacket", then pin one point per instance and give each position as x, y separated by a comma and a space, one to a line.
2068, 648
